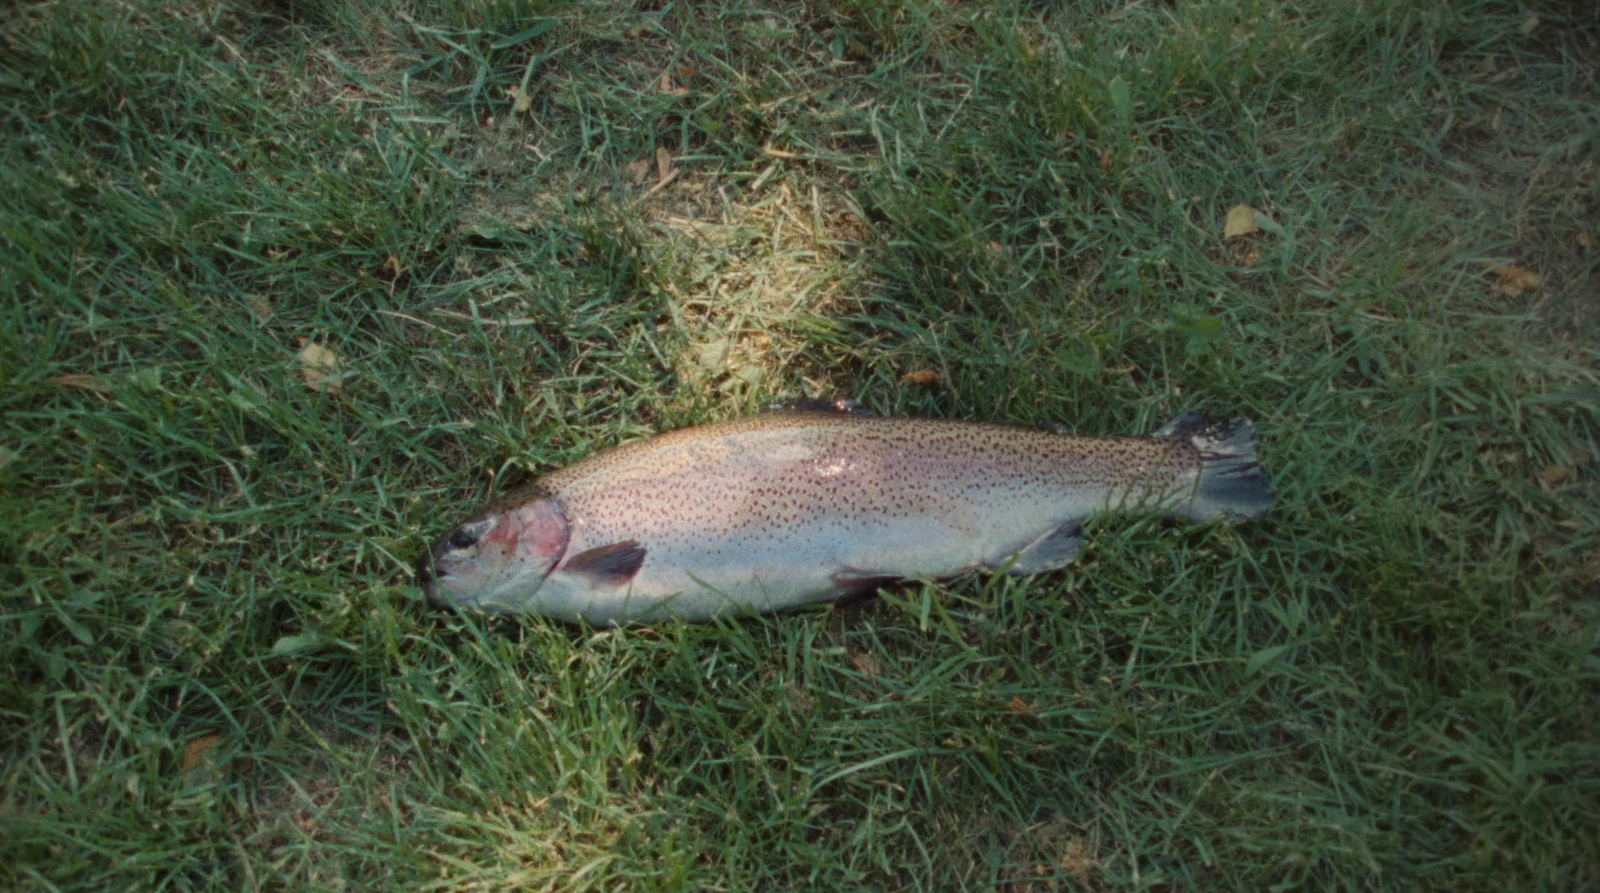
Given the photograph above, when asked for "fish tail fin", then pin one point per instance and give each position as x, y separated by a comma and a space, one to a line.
1230, 482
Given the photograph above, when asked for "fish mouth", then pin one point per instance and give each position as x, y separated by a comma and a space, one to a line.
428, 578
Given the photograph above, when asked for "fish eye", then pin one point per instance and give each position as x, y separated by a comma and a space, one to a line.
462, 538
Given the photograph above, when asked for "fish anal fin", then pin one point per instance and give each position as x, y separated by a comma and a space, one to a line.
611, 565
1053, 551
836, 407
851, 583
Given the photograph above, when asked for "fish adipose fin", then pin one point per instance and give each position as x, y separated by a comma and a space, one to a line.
1053, 551
1230, 483
837, 407
613, 565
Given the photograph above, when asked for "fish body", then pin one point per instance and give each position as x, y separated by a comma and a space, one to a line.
793, 507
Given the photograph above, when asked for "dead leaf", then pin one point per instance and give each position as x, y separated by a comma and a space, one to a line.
1019, 707
521, 102
1584, 240
80, 380
318, 366
1555, 475
1512, 281
668, 87
665, 171
1077, 860
1241, 222
925, 377
640, 170
1529, 24
663, 165
199, 750
865, 663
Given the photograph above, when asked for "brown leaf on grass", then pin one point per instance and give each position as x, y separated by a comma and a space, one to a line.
1512, 281
1019, 707
1077, 860
80, 380
865, 663
521, 102
924, 377
318, 366
1241, 222
1555, 475
663, 165
665, 171
639, 170
199, 750
670, 88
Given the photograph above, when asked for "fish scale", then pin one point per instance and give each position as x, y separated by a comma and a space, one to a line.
786, 508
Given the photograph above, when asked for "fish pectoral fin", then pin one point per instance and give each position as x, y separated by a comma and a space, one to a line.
612, 565
1053, 551
851, 582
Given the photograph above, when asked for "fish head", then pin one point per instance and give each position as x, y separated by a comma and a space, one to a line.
497, 560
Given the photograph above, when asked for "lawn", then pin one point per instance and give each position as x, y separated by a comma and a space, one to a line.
286, 288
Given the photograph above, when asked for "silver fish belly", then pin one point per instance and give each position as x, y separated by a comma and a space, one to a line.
789, 508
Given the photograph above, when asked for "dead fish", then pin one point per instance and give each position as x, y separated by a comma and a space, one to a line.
800, 505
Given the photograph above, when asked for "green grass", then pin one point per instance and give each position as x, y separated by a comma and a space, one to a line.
217, 673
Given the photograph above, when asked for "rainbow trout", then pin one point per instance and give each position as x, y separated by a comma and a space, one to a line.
805, 504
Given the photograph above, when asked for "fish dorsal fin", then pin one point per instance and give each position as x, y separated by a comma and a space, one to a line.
835, 407
612, 565
1183, 424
